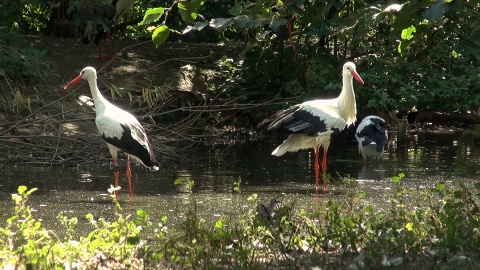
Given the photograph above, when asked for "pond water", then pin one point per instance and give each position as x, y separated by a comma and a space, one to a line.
426, 159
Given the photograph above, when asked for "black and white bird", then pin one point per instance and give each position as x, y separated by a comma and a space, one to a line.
119, 128
372, 135
310, 124
103, 17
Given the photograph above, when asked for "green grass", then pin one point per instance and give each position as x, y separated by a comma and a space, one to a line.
417, 229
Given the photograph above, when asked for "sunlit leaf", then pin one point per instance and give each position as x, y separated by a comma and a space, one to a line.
178, 181
441, 187
220, 23
21, 189
197, 27
403, 18
160, 35
189, 9
152, 15
219, 224
409, 226
393, 8
408, 32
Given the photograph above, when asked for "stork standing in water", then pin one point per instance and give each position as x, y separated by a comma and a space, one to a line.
106, 15
310, 124
372, 136
119, 128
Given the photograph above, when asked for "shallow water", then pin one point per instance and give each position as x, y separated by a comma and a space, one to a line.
425, 159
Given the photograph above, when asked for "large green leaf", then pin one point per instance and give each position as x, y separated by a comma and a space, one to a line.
189, 9
152, 15
404, 18
408, 32
160, 35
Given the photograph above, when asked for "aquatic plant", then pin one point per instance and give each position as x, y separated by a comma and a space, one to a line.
418, 228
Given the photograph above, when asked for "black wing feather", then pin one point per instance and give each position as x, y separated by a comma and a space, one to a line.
375, 132
132, 146
294, 120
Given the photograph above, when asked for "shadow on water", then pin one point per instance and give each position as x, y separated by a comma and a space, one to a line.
425, 159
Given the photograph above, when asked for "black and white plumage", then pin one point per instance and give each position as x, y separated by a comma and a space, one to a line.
119, 128
310, 124
372, 135
103, 17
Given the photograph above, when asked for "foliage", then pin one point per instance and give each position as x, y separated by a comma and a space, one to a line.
416, 229
21, 67
419, 53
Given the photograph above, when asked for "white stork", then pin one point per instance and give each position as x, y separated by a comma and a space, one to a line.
119, 128
311, 123
108, 15
372, 136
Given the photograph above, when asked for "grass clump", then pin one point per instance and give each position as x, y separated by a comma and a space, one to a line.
416, 229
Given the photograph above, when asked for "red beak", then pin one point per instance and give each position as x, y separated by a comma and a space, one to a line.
356, 76
73, 82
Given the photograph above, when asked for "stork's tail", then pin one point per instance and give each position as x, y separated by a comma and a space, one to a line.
295, 142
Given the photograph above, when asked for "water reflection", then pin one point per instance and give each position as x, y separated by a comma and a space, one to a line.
426, 159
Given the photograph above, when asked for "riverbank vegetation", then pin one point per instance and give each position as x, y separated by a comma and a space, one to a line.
416, 229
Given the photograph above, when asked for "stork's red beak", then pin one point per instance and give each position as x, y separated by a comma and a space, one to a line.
73, 82
356, 76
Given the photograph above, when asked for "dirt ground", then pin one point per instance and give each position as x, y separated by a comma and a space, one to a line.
60, 128
134, 60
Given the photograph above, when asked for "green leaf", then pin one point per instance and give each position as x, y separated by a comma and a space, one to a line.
179, 181
441, 187
189, 10
408, 32
22, 189
160, 35
219, 224
236, 10
409, 226
152, 15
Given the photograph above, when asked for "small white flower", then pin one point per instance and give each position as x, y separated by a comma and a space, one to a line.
113, 189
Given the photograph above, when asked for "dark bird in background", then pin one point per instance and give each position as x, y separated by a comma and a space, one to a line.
100, 22
311, 123
372, 135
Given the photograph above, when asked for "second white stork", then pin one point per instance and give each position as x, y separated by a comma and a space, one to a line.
106, 16
311, 123
119, 128
372, 135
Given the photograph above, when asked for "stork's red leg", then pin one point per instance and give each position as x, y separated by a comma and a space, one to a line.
116, 174
316, 165
109, 45
324, 169
129, 177
109, 42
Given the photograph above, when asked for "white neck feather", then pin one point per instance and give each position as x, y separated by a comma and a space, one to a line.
99, 100
346, 101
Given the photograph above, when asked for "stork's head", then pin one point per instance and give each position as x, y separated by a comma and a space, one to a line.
85, 74
349, 69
